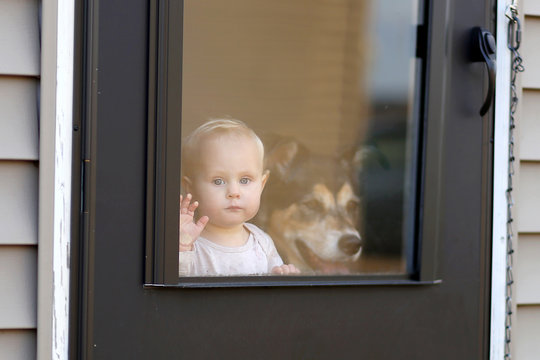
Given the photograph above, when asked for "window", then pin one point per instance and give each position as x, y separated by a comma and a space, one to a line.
335, 92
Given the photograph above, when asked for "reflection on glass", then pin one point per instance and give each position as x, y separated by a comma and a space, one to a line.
331, 89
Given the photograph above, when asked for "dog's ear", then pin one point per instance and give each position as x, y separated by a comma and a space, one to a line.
357, 157
281, 157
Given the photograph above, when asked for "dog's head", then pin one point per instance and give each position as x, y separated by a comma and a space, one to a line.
311, 210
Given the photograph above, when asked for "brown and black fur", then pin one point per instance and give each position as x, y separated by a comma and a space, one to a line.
311, 209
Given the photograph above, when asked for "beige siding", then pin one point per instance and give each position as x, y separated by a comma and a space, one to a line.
18, 273
527, 333
528, 270
526, 329
529, 197
18, 118
19, 155
531, 7
531, 52
18, 205
529, 140
17, 344
19, 37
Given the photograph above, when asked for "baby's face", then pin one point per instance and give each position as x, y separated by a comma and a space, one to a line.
229, 180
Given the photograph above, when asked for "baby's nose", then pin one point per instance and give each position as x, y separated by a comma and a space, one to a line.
233, 195
233, 192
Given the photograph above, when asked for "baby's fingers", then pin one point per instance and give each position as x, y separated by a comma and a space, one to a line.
193, 206
280, 270
293, 269
202, 222
185, 203
285, 269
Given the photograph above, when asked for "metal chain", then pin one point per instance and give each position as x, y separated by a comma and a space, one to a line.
514, 41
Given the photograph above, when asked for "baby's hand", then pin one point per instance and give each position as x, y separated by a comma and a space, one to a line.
285, 269
189, 230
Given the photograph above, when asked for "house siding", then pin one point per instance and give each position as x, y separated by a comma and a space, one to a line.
19, 37
19, 344
19, 171
18, 204
526, 329
18, 118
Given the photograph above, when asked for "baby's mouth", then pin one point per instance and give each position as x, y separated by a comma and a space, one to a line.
234, 208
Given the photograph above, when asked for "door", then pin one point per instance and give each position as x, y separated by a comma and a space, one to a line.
433, 304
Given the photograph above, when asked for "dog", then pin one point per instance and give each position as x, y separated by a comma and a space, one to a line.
310, 208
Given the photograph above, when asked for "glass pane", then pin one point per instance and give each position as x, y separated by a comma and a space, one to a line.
331, 88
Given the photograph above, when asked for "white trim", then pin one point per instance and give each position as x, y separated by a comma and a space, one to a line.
56, 117
62, 179
500, 185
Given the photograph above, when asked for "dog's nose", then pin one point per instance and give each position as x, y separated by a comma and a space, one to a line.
349, 244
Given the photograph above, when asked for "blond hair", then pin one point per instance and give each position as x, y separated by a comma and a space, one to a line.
221, 126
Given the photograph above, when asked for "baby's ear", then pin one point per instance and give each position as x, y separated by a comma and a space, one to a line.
186, 184
265, 176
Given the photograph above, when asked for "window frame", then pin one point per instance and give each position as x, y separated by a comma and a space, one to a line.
163, 159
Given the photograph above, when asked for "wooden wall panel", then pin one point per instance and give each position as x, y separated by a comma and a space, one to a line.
298, 76
531, 52
528, 198
527, 270
526, 333
19, 37
18, 284
18, 344
18, 118
18, 202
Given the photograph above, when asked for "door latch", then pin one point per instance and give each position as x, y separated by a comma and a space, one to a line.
485, 49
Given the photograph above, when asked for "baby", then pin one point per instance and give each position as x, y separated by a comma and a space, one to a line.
222, 162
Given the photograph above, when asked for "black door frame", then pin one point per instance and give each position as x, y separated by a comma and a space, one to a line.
109, 181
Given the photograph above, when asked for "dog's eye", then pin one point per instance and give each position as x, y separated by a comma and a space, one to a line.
314, 205
352, 206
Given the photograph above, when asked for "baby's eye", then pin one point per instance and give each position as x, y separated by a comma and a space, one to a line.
218, 182
244, 181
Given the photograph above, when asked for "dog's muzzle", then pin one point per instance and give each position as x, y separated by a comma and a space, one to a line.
349, 244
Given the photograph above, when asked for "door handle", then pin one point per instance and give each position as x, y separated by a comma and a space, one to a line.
485, 50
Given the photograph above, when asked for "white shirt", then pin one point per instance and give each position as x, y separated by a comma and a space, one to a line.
256, 257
